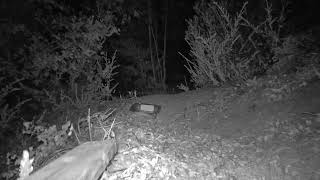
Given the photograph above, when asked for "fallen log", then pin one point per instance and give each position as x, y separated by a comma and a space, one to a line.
85, 162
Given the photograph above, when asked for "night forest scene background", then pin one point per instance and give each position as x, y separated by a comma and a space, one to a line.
160, 89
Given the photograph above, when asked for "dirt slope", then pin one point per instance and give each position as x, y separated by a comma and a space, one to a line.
264, 131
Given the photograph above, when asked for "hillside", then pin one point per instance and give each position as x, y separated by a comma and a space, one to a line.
268, 130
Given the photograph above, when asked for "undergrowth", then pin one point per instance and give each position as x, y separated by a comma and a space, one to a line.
229, 47
56, 63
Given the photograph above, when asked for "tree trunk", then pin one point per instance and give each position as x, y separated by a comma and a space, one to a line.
164, 70
150, 39
155, 41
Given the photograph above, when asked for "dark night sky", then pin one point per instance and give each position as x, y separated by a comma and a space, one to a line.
305, 13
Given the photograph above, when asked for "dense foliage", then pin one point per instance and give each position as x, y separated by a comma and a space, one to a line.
55, 60
226, 46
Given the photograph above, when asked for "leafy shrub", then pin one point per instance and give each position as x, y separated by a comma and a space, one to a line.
8, 112
61, 56
59, 61
74, 55
266, 36
227, 47
49, 139
295, 53
10, 77
213, 36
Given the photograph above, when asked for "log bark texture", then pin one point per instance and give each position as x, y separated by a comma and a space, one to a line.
85, 162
